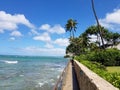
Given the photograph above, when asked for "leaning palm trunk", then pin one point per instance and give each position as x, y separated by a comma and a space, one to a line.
99, 29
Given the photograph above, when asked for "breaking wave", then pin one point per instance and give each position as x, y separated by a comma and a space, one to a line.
10, 62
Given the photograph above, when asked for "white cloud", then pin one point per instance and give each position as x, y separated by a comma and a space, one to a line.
16, 34
112, 20
43, 37
49, 45
1, 31
12, 38
113, 17
62, 42
55, 29
11, 22
43, 51
33, 31
45, 27
93, 38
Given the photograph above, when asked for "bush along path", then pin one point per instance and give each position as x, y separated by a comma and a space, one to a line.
113, 78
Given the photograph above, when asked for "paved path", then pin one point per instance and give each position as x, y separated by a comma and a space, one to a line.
67, 84
70, 82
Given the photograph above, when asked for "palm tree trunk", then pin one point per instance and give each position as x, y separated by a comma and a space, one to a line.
99, 29
70, 35
73, 33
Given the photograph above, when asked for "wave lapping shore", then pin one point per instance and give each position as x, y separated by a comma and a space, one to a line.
30, 73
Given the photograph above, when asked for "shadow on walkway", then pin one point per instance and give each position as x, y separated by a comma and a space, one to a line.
75, 81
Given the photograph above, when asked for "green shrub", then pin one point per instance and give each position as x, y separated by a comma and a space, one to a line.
113, 78
109, 57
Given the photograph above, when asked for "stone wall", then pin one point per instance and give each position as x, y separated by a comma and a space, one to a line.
88, 80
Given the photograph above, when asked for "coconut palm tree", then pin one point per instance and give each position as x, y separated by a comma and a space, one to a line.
71, 27
98, 24
84, 40
76, 46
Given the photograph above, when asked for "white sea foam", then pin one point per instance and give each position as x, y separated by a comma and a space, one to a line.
21, 75
11, 62
58, 76
41, 84
60, 70
52, 84
52, 69
53, 65
51, 80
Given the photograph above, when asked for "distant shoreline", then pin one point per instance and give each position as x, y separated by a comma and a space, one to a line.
29, 55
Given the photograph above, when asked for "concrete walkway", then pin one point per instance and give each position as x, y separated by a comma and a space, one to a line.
70, 82
88, 80
67, 84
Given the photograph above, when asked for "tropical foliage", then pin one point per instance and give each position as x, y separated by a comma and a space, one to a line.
83, 43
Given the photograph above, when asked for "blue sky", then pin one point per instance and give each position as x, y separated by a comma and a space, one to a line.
36, 27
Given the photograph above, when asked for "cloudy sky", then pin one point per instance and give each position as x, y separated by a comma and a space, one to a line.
36, 27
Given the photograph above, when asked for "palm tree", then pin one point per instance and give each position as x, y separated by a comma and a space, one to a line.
71, 27
99, 27
77, 46
84, 40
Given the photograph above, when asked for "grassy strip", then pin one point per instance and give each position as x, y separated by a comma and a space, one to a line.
113, 78
113, 69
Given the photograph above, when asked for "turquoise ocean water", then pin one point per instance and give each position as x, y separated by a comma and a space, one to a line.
30, 72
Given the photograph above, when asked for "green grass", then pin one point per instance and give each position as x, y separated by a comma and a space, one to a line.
113, 69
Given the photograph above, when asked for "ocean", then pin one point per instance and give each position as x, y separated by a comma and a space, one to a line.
30, 72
